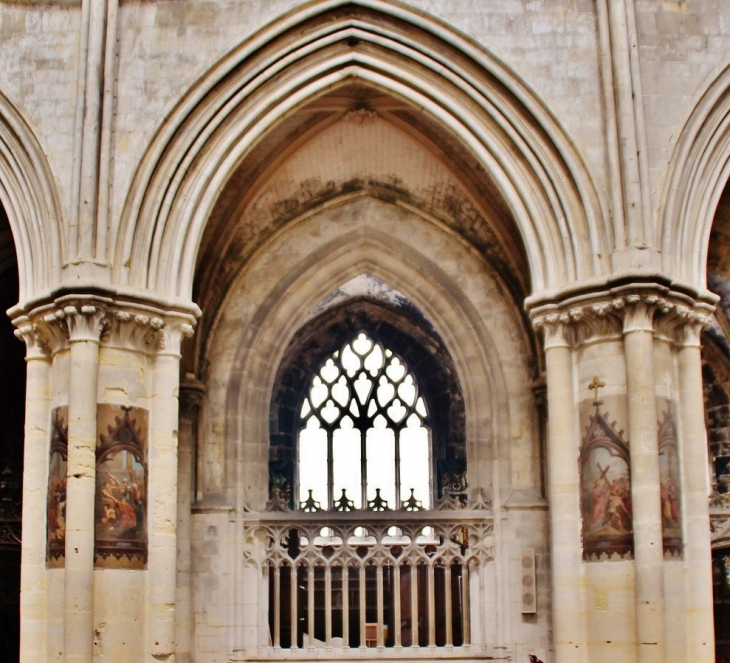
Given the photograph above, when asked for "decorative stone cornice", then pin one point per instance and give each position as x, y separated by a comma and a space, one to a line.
673, 316
118, 324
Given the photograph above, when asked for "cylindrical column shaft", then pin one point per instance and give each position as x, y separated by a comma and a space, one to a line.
84, 332
277, 607
563, 482
465, 606
345, 606
396, 606
33, 600
310, 606
698, 565
379, 589
645, 495
190, 399
414, 606
328, 606
430, 585
363, 633
163, 474
293, 613
447, 598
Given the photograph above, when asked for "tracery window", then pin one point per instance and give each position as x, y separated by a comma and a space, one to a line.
370, 538
363, 438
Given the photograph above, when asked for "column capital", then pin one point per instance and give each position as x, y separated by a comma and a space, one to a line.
630, 308
176, 329
36, 342
132, 325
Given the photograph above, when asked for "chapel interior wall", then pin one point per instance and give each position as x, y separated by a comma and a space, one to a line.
269, 301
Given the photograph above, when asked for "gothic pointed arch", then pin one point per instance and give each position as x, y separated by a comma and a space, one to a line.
30, 199
328, 44
698, 172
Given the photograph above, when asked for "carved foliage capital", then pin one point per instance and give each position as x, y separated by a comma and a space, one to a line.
35, 339
83, 321
174, 332
580, 322
134, 330
615, 313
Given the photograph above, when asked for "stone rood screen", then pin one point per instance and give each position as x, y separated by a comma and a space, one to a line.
367, 556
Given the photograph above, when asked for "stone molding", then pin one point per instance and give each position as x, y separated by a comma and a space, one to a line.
669, 315
50, 328
192, 393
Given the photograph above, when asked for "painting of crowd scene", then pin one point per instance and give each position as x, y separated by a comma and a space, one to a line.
605, 482
121, 487
58, 463
669, 486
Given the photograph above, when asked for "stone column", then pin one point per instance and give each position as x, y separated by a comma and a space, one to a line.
569, 627
33, 600
84, 319
645, 484
191, 398
697, 556
163, 475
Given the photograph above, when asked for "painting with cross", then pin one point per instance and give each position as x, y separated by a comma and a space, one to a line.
605, 484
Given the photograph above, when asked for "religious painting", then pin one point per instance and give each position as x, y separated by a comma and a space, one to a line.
669, 486
56, 508
605, 483
121, 487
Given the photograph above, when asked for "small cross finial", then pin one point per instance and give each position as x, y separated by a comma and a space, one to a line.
596, 384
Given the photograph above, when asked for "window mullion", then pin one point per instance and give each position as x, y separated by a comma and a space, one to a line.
330, 470
364, 466
397, 468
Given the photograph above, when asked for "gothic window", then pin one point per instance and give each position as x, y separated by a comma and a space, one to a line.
369, 538
363, 438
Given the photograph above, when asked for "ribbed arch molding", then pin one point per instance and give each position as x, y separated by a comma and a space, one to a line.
413, 57
30, 199
698, 172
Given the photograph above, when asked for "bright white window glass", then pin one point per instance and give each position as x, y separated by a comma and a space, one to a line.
380, 452
414, 462
364, 380
346, 467
313, 462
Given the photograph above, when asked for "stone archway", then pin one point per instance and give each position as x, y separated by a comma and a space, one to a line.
327, 45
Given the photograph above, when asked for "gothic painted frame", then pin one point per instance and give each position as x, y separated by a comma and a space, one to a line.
670, 485
56, 503
605, 487
121, 487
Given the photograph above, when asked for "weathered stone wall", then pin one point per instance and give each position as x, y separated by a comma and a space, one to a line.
163, 47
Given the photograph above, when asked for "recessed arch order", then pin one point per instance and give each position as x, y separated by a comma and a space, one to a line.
698, 172
321, 46
29, 196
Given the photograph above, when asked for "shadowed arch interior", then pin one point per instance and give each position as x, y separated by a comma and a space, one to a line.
499, 125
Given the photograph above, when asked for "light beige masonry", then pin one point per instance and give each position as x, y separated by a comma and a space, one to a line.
524, 202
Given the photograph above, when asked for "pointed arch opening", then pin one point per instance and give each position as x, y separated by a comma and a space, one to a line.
472, 107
